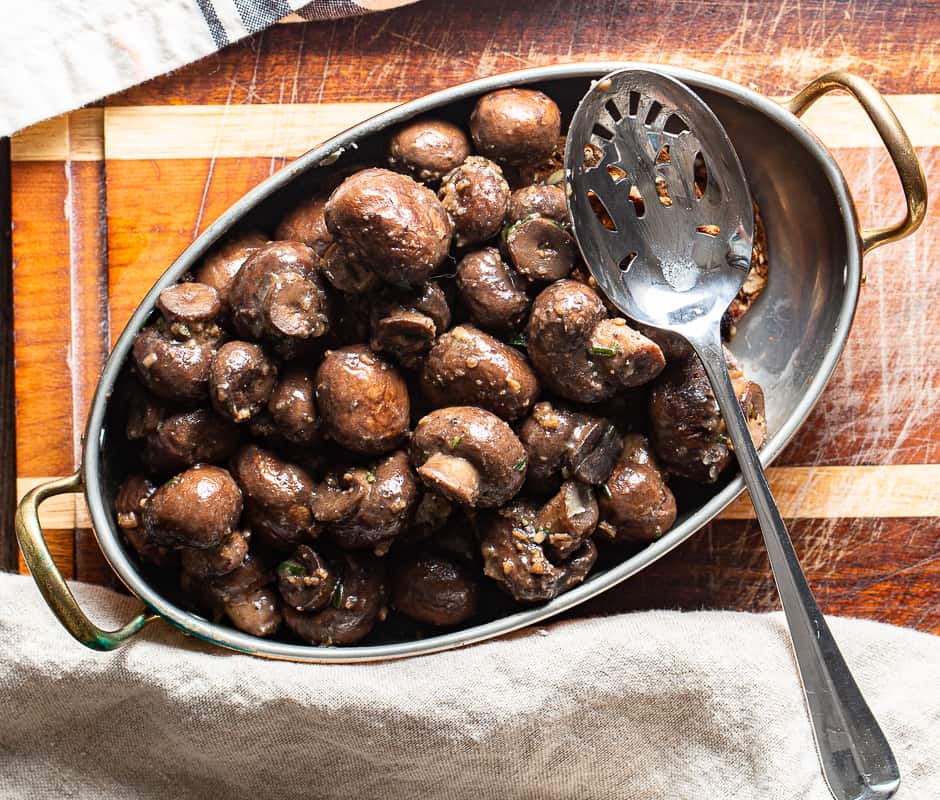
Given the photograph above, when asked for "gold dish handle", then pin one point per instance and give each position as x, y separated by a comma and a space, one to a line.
51, 584
913, 182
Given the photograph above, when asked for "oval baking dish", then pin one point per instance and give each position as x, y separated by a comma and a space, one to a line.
789, 343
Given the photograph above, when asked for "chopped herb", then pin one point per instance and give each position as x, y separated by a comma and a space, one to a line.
598, 350
519, 466
370, 477
172, 481
519, 340
543, 529
291, 568
455, 441
336, 599
605, 490
723, 439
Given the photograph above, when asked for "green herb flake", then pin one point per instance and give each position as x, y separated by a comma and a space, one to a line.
370, 477
336, 599
291, 568
519, 340
519, 466
599, 350
455, 441
605, 490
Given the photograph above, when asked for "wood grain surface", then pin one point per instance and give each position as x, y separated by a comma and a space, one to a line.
105, 198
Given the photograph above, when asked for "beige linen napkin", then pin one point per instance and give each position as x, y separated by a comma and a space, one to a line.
647, 705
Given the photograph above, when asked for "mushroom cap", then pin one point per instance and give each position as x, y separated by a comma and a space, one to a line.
305, 223
494, 293
434, 589
190, 437
469, 456
428, 148
219, 268
363, 400
515, 126
476, 196
172, 369
241, 380
538, 199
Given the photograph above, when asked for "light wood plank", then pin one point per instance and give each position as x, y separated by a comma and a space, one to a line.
77, 136
879, 492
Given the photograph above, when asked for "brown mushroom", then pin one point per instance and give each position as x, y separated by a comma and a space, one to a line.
538, 200
427, 149
305, 223
540, 248
363, 400
305, 580
466, 365
348, 274
635, 502
561, 444
390, 223
214, 562
144, 411
476, 196
515, 126
132, 498
357, 603
291, 414
469, 456
433, 589
686, 427
197, 508
406, 321
277, 496
241, 380
568, 518
188, 438
278, 296
173, 369
257, 612
513, 548
580, 353
218, 269
368, 507
493, 291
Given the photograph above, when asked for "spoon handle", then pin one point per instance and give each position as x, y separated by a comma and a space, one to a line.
856, 758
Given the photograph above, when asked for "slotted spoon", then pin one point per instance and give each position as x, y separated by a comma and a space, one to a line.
662, 214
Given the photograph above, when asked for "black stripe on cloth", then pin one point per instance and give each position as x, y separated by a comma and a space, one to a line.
259, 14
219, 36
330, 9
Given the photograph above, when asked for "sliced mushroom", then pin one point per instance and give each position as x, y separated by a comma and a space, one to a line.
494, 293
197, 508
436, 590
305, 223
469, 456
257, 613
513, 547
277, 496
391, 223
686, 427
635, 502
188, 438
279, 297
241, 380
378, 502
405, 322
466, 365
538, 200
580, 353
563, 444
132, 498
476, 196
515, 126
214, 562
218, 269
540, 248
357, 603
305, 580
427, 149
363, 400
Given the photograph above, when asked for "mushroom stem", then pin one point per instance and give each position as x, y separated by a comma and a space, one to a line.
453, 476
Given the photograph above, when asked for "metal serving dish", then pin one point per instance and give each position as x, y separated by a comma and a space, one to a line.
789, 342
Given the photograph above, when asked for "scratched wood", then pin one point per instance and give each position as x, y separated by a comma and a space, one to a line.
102, 207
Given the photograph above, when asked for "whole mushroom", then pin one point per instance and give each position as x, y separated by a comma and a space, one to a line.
291, 413
306, 581
476, 197
222, 559
306, 223
635, 502
468, 455
197, 508
277, 496
538, 200
579, 352
405, 322
391, 223
132, 498
433, 589
188, 438
493, 292
466, 365
515, 126
241, 380
427, 149
363, 400
540, 248
219, 268
257, 612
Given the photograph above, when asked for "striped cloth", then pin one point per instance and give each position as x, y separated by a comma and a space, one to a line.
59, 55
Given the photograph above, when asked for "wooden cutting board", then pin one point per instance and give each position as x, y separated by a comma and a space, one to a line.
103, 199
